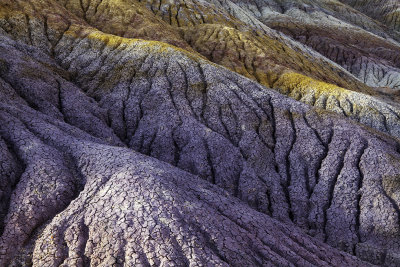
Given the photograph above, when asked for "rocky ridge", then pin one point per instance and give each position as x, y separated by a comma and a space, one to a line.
120, 151
237, 35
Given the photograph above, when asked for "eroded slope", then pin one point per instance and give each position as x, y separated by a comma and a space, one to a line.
232, 33
114, 205
386, 11
75, 97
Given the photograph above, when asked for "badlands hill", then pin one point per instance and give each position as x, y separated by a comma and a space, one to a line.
199, 133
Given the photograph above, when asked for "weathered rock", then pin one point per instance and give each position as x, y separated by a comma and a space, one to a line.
386, 11
123, 151
114, 205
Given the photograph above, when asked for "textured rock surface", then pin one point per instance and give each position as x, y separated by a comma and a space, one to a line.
224, 33
118, 151
386, 11
114, 205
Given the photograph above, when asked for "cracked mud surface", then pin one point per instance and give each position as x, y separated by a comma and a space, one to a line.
125, 152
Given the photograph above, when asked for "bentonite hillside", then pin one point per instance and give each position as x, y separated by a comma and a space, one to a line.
199, 133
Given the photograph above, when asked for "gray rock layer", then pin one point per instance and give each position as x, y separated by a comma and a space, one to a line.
74, 197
